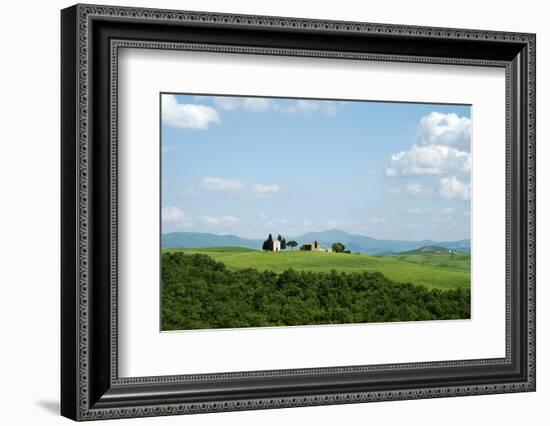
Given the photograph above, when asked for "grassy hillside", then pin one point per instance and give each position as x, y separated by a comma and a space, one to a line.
456, 261
439, 270
224, 249
427, 250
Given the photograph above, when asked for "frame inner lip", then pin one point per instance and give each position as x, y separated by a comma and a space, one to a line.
115, 45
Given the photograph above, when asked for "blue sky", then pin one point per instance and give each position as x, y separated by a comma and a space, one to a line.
250, 166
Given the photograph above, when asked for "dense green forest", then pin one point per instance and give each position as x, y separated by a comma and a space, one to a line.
198, 293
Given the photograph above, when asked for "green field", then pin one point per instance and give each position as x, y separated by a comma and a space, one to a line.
437, 270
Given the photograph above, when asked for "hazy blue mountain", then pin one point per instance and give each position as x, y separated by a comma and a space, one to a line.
372, 245
460, 245
196, 239
326, 238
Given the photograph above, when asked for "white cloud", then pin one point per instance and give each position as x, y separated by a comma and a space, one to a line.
188, 116
304, 106
428, 160
453, 188
415, 188
237, 186
176, 217
442, 146
265, 189
173, 215
309, 106
444, 129
248, 104
221, 220
222, 185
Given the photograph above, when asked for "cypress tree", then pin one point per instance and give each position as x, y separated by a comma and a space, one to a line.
268, 244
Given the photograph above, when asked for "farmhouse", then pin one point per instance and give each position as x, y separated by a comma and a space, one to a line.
314, 246
276, 245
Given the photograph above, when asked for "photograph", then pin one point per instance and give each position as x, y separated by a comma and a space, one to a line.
281, 211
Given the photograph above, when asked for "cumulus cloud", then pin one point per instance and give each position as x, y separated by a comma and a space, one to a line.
428, 160
220, 184
173, 214
199, 117
452, 188
444, 129
187, 116
442, 146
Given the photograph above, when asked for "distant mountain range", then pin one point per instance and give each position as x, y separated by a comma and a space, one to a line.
427, 250
198, 239
326, 238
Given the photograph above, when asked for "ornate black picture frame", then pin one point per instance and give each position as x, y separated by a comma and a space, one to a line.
91, 37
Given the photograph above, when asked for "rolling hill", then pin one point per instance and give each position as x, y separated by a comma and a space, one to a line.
352, 242
440, 270
427, 250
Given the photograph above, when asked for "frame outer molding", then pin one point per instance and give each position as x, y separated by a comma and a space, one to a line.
76, 402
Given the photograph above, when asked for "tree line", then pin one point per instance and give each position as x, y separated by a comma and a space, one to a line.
199, 293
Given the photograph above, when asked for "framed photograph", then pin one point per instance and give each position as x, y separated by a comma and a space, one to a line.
263, 212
